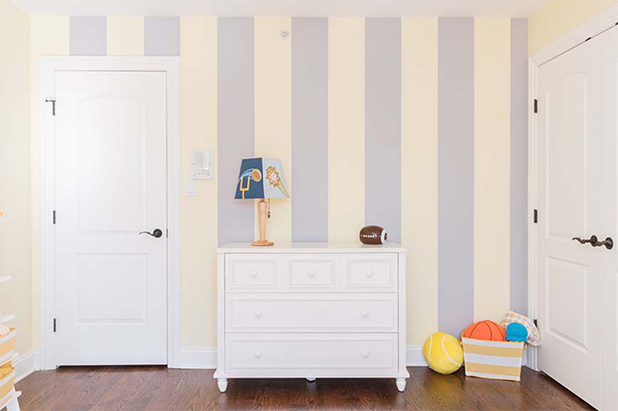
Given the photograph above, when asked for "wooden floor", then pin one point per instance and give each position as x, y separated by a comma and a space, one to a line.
157, 388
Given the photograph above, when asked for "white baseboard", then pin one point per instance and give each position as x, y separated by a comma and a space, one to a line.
198, 358
26, 364
414, 356
206, 358
202, 358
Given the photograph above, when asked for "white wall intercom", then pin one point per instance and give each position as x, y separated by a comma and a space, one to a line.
201, 165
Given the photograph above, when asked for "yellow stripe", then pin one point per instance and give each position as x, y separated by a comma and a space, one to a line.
346, 128
493, 369
493, 377
7, 386
198, 105
419, 168
125, 36
492, 167
273, 112
493, 351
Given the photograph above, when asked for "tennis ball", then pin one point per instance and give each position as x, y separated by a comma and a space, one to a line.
443, 353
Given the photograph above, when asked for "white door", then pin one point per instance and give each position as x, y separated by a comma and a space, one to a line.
576, 197
110, 156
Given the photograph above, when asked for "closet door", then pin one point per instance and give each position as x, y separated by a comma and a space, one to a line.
572, 184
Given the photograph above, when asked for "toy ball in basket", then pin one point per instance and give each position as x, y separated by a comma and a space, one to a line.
487, 354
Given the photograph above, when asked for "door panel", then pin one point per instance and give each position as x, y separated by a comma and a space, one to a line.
570, 167
111, 287
106, 158
566, 302
566, 155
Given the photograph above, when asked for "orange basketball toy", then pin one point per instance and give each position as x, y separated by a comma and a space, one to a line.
485, 330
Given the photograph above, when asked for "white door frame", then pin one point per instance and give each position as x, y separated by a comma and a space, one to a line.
171, 66
591, 28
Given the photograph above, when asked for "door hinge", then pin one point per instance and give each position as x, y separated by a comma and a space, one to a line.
536, 216
54, 217
54, 325
536, 105
53, 101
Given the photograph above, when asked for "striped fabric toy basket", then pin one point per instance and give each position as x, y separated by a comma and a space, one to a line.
493, 359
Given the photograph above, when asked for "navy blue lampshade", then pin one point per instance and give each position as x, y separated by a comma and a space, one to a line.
261, 178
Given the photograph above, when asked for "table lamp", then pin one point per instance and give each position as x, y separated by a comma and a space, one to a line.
261, 178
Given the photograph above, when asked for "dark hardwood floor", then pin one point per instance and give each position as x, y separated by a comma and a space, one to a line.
158, 388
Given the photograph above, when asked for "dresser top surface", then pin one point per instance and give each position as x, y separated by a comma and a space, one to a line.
334, 247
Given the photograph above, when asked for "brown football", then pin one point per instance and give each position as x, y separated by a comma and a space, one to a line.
373, 234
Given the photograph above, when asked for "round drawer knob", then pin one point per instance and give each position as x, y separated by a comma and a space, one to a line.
365, 313
365, 354
253, 273
257, 313
311, 273
369, 273
257, 354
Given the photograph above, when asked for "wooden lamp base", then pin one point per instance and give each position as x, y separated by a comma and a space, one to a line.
262, 214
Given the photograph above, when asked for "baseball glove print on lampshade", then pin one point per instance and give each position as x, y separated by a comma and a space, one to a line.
261, 178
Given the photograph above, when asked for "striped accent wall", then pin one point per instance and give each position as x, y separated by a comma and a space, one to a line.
415, 124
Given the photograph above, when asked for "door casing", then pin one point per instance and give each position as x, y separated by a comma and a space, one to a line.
48, 67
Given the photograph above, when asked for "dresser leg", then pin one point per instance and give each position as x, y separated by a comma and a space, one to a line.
401, 384
13, 406
222, 384
311, 379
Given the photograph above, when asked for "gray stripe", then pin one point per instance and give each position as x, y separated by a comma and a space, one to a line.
88, 36
455, 174
310, 129
519, 165
236, 124
162, 36
383, 124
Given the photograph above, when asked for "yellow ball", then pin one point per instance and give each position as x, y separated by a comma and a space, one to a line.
443, 353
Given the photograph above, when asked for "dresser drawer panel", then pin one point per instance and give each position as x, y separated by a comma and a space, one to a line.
311, 313
315, 355
375, 272
311, 272
251, 272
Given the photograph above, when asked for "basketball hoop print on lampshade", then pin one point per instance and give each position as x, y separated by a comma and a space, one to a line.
261, 178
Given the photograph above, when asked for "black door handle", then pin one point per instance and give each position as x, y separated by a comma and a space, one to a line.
594, 241
157, 233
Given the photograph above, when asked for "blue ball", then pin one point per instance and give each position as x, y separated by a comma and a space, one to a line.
516, 332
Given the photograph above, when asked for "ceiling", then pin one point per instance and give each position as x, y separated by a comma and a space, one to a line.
368, 8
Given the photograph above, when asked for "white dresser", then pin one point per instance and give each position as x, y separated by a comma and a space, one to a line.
311, 310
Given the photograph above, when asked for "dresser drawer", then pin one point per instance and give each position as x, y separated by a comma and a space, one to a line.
377, 273
311, 313
311, 355
251, 272
311, 272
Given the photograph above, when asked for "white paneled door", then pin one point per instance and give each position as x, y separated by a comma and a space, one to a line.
110, 156
576, 198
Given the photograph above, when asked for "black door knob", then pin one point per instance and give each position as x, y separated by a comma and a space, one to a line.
608, 243
157, 233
